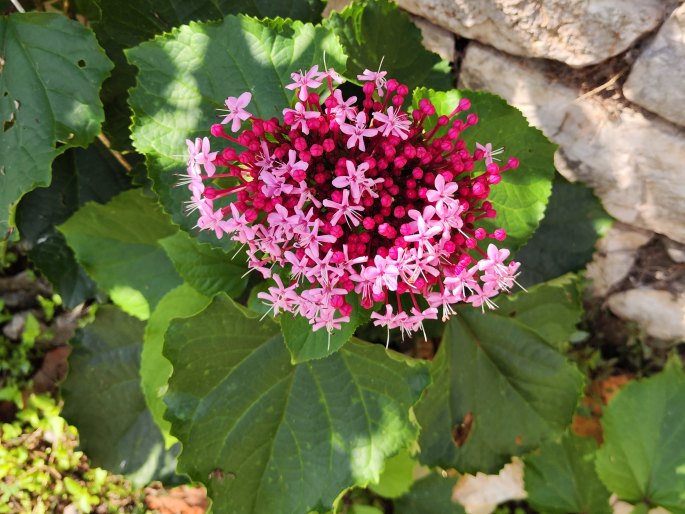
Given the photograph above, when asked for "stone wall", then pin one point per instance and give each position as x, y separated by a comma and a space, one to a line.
604, 79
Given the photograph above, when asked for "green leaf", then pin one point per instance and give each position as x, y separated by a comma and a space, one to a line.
155, 369
430, 495
305, 344
208, 269
520, 198
121, 24
552, 310
185, 76
565, 240
51, 69
643, 456
561, 478
499, 388
117, 245
376, 33
364, 509
267, 436
397, 477
103, 399
78, 176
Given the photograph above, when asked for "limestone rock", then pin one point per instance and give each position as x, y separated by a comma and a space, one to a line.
657, 77
660, 313
577, 32
436, 39
480, 494
633, 163
614, 257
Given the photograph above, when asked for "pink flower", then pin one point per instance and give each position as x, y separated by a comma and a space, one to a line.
298, 117
358, 132
236, 110
344, 109
280, 297
355, 215
393, 123
199, 154
488, 152
377, 77
354, 179
350, 212
443, 194
311, 78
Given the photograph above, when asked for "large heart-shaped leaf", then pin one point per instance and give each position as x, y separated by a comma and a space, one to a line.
561, 478
267, 436
520, 198
51, 69
499, 389
117, 245
643, 456
185, 76
103, 399
376, 33
78, 176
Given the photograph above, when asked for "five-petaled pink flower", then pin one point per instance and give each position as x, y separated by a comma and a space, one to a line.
303, 81
236, 110
358, 132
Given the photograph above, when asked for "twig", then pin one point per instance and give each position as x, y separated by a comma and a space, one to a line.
17, 5
120, 158
600, 88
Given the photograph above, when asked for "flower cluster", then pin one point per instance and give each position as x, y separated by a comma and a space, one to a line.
355, 196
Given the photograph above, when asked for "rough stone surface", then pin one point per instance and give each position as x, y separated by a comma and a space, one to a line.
577, 32
436, 39
633, 163
657, 77
614, 257
658, 312
480, 494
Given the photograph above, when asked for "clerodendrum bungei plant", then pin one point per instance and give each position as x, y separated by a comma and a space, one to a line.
342, 207
355, 204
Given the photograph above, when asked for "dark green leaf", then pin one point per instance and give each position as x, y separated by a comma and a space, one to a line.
552, 310
117, 245
643, 456
185, 76
561, 478
103, 399
267, 436
305, 344
155, 369
565, 240
208, 269
78, 176
51, 69
429, 495
520, 198
377, 34
499, 388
